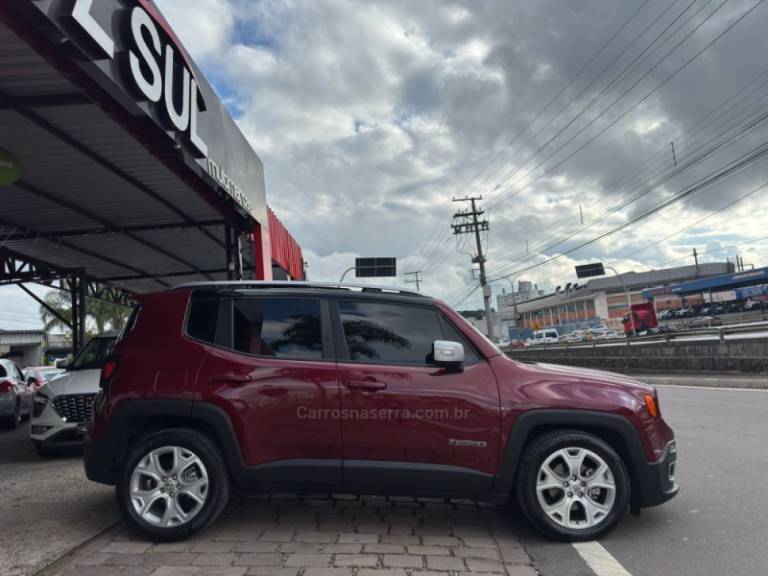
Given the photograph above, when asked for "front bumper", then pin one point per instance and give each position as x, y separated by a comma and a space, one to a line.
48, 427
656, 481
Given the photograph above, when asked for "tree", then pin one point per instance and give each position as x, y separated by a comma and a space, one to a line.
104, 315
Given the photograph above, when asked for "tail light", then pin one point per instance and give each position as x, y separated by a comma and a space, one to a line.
5, 386
108, 371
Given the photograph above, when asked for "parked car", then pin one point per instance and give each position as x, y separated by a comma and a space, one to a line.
608, 335
546, 336
63, 406
705, 322
247, 384
38, 376
15, 394
517, 343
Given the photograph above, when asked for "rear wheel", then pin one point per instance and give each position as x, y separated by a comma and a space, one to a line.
573, 485
14, 420
173, 484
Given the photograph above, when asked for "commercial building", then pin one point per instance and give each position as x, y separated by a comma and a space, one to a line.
122, 171
603, 300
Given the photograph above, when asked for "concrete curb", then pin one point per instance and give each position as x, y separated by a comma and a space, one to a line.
706, 381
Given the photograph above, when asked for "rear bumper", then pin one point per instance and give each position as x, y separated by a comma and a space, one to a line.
98, 466
656, 481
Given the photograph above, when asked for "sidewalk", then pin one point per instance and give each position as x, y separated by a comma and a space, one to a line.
319, 536
706, 379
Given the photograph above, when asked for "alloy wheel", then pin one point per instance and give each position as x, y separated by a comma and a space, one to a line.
575, 488
169, 486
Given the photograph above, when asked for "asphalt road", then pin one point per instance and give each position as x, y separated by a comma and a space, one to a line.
717, 525
47, 507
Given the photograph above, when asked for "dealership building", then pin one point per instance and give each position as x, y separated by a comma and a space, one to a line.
121, 170
604, 300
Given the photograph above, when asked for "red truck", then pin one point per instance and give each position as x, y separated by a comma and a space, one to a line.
642, 317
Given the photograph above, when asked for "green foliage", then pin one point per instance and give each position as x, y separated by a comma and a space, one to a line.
102, 315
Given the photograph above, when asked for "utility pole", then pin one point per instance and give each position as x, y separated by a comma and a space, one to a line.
416, 279
674, 154
696, 259
467, 222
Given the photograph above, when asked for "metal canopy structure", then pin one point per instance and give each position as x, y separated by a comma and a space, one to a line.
112, 201
91, 195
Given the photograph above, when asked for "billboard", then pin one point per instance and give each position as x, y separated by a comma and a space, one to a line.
375, 267
590, 270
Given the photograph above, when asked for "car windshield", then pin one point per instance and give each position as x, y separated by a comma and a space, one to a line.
94, 354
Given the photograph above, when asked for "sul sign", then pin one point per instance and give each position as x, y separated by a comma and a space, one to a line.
158, 74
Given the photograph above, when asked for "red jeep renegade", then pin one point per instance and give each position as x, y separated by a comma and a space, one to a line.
279, 387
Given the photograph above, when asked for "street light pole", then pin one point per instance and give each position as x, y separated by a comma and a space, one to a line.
626, 293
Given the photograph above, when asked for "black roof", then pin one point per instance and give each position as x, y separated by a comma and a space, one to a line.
366, 289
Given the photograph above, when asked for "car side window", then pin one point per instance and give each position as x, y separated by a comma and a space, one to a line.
280, 327
3, 371
383, 333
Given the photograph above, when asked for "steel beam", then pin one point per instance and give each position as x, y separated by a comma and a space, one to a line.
76, 248
103, 221
107, 165
45, 101
103, 230
16, 268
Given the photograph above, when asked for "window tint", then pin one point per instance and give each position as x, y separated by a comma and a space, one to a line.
281, 327
389, 333
94, 354
452, 334
203, 318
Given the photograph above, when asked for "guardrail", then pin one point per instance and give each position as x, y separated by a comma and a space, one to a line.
720, 332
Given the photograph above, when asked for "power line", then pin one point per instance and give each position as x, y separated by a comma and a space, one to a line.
729, 170
498, 198
600, 50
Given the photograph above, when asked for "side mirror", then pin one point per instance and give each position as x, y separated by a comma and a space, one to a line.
447, 354
63, 363
31, 381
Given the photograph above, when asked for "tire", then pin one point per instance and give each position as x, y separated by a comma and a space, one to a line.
593, 504
158, 451
14, 420
44, 450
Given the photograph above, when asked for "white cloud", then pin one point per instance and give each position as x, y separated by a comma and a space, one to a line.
369, 116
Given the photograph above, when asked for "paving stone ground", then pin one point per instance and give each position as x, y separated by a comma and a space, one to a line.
336, 535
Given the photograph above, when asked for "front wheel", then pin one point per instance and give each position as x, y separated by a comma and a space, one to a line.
572, 485
173, 484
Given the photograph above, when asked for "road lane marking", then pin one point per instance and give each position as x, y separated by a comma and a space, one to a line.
691, 387
599, 559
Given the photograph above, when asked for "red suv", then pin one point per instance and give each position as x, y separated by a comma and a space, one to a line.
278, 387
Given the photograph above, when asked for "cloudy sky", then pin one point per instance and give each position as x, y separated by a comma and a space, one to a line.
370, 116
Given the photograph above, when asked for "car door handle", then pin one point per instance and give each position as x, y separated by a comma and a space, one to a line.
366, 385
232, 378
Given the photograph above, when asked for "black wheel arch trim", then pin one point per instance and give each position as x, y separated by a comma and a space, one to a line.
650, 484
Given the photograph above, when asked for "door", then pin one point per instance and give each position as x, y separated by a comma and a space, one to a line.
275, 376
408, 424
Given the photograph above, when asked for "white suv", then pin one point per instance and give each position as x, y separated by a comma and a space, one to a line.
62, 408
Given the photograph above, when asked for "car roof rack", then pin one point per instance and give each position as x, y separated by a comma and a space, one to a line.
267, 284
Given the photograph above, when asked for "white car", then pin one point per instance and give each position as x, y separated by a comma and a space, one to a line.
546, 336
62, 408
